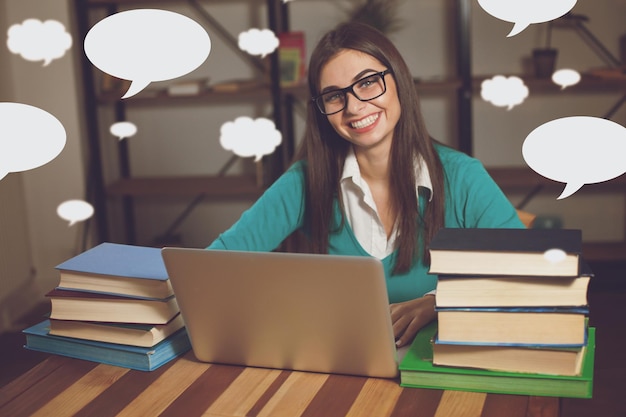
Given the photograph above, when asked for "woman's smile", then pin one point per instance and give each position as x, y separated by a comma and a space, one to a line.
365, 122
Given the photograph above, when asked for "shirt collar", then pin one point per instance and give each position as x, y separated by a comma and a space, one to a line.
422, 176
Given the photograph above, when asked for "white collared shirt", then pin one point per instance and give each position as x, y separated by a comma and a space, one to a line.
360, 208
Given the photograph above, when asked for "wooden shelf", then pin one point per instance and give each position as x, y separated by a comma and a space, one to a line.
160, 98
523, 178
148, 97
224, 188
589, 83
604, 251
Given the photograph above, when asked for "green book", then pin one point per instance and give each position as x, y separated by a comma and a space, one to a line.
417, 371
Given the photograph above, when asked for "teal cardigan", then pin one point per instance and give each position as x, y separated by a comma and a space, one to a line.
472, 199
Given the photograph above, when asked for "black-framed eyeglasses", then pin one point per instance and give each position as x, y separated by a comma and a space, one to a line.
365, 89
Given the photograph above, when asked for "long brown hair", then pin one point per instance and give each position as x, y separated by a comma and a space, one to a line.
324, 151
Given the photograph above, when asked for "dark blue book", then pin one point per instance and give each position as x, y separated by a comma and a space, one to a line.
521, 252
117, 269
38, 338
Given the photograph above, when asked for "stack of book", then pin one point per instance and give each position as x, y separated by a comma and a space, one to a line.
114, 304
512, 314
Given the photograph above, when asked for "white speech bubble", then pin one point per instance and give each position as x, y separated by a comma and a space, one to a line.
577, 150
258, 42
75, 211
123, 130
555, 255
29, 137
247, 137
146, 45
35, 40
566, 77
504, 91
526, 12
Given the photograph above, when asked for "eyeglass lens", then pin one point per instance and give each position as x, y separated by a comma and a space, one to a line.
365, 89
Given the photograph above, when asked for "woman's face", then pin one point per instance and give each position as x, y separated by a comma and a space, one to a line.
365, 124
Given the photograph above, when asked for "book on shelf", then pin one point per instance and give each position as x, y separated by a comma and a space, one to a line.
536, 359
418, 371
506, 251
188, 87
237, 85
113, 268
87, 306
563, 326
39, 338
512, 291
291, 57
135, 334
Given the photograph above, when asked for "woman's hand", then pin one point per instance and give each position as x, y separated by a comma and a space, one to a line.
410, 316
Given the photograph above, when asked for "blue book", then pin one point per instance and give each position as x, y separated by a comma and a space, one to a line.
38, 338
117, 269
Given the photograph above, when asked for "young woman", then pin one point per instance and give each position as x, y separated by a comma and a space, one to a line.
368, 179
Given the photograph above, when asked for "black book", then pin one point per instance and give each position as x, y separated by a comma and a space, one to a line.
531, 252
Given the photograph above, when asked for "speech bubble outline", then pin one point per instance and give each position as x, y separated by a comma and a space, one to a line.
577, 150
247, 137
504, 91
123, 130
258, 42
147, 45
36, 40
523, 13
75, 211
29, 137
566, 77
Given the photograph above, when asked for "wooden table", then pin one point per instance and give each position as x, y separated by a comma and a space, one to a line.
62, 386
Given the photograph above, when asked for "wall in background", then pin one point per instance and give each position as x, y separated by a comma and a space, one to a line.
190, 144
53, 89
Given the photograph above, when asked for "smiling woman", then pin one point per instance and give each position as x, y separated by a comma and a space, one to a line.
368, 180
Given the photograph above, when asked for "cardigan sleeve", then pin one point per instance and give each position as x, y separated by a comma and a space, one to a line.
272, 218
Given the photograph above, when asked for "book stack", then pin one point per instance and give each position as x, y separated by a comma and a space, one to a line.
114, 304
512, 313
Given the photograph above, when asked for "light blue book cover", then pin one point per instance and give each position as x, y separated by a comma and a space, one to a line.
133, 357
120, 260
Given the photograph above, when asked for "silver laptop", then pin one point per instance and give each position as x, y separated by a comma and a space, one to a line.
318, 313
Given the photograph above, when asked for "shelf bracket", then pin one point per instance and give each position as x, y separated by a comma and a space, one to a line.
226, 36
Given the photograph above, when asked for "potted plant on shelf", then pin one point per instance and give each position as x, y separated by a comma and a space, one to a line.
381, 14
544, 59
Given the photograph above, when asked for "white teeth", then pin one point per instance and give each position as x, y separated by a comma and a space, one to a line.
360, 124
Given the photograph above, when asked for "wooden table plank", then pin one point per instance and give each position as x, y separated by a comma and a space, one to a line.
461, 404
417, 401
335, 397
122, 393
164, 390
46, 388
242, 395
82, 392
64, 386
203, 392
543, 407
505, 405
24, 382
377, 398
294, 396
